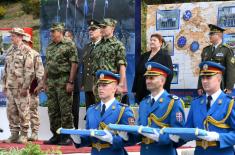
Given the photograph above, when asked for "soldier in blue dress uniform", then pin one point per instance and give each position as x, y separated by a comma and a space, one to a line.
214, 112
109, 110
158, 110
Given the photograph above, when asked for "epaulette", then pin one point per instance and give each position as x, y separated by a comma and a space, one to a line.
229, 96
197, 97
124, 105
226, 45
174, 97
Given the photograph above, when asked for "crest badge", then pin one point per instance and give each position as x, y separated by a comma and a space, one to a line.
149, 67
101, 76
205, 67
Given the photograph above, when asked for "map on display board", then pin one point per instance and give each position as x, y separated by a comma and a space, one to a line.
190, 37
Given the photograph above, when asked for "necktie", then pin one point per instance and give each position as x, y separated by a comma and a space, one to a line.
208, 104
152, 102
103, 110
213, 48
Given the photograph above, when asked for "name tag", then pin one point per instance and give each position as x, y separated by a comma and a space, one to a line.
219, 54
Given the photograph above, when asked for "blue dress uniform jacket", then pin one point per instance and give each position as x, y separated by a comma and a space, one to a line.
222, 110
117, 111
174, 118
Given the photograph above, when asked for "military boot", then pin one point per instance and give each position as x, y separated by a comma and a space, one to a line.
13, 138
65, 140
23, 139
54, 140
33, 137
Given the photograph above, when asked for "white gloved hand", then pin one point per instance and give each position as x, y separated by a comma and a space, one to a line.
123, 135
174, 138
107, 138
154, 136
211, 136
76, 139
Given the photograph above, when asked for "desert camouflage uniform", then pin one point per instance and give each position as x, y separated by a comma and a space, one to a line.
34, 99
18, 75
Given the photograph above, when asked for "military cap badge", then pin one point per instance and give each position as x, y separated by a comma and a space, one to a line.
205, 67
149, 67
101, 76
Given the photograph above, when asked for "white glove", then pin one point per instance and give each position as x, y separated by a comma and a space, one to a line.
123, 135
153, 136
107, 138
76, 139
174, 138
211, 136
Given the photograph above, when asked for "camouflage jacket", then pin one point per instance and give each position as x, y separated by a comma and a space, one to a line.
109, 55
18, 67
59, 58
38, 65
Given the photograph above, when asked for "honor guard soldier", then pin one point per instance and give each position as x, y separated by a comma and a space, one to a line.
109, 110
158, 110
214, 112
220, 53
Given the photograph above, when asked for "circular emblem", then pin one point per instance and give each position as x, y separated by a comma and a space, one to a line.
181, 41
101, 76
205, 67
92, 22
149, 67
187, 15
194, 46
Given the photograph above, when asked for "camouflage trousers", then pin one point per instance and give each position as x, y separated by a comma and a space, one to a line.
34, 115
59, 107
17, 111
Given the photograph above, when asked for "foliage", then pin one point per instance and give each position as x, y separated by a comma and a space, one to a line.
36, 40
2, 12
31, 7
30, 149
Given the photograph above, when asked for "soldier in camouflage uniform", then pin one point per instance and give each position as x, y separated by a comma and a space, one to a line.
17, 79
111, 54
87, 76
220, 53
60, 71
34, 99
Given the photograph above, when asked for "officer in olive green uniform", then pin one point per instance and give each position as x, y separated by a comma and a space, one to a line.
111, 54
60, 71
220, 53
87, 76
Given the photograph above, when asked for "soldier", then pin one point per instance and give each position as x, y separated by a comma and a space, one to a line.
109, 110
60, 71
76, 93
34, 99
17, 79
87, 76
158, 110
214, 112
111, 54
220, 53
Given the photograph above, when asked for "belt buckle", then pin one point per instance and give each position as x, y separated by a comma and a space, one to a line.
204, 144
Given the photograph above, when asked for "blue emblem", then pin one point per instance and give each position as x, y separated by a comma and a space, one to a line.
181, 41
187, 15
194, 46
